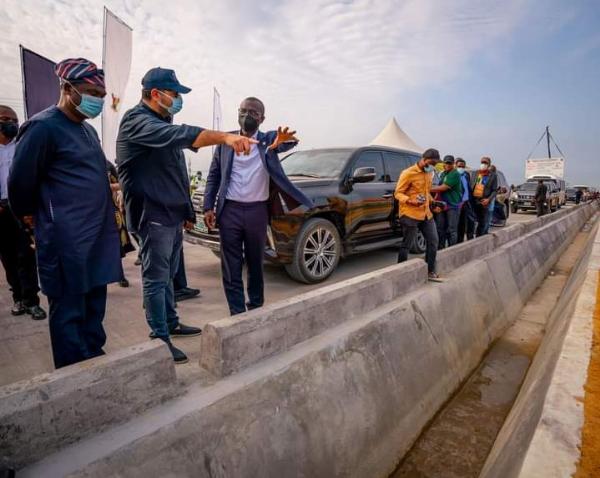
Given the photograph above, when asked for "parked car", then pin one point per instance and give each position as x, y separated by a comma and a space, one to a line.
560, 186
355, 210
523, 199
571, 194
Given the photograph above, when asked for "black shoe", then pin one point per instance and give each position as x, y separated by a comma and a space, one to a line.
178, 355
250, 306
186, 293
18, 308
181, 331
138, 262
124, 283
36, 312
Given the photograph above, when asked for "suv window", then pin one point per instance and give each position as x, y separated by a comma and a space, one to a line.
395, 163
371, 159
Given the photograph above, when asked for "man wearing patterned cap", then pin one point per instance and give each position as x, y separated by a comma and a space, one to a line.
59, 183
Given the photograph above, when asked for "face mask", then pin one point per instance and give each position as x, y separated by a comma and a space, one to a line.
9, 129
460, 170
429, 168
176, 104
89, 106
484, 167
249, 124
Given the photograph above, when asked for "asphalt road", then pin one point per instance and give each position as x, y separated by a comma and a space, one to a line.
25, 344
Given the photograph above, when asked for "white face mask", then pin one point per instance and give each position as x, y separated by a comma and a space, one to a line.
460, 170
484, 166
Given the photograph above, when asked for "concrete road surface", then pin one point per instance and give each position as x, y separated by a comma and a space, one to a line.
25, 344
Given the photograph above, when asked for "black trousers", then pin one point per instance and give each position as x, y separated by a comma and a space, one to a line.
18, 260
482, 213
410, 227
466, 224
76, 330
540, 208
243, 231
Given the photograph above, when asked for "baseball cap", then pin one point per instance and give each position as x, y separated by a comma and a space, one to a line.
449, 159
163, 79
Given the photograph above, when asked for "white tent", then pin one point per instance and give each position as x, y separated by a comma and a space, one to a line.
393, 137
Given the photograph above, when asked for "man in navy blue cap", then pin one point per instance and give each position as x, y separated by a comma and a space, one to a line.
157, 192
59, 177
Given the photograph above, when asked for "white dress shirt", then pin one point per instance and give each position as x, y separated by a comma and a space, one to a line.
249, 180
7, 151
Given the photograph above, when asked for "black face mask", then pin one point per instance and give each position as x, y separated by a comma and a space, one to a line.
9, 129
248, 123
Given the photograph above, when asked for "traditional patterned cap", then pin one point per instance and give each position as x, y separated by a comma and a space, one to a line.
79, 70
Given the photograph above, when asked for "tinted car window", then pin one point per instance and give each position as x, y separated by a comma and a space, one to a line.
316, 163
371, 159
395, 163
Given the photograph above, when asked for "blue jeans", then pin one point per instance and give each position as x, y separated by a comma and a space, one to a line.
160, 250
490, 217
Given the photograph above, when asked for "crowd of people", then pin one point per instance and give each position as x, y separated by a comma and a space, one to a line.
63, 202
459, 208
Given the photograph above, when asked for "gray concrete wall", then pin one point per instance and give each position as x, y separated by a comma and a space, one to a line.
542, 434
52, 410
349, 401
232, 344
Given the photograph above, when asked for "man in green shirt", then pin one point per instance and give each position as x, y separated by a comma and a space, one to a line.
450, 190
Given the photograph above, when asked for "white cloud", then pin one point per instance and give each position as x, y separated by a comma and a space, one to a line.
334, 70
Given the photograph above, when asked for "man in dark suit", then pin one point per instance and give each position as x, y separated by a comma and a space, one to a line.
246, 190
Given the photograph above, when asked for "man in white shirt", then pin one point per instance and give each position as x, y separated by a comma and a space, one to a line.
16, 253
241, 190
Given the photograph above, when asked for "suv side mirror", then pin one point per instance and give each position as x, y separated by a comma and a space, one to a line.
363, 175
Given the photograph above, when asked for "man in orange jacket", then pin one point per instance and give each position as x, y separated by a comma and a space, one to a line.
413, 192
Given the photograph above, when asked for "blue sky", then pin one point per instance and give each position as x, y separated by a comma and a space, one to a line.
471, 78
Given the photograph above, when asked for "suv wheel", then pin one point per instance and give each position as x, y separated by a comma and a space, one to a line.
317, 252
420, 244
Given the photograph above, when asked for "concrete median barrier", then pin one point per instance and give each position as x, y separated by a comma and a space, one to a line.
229, 345
339, 383
348, 401
232, 344
41, 415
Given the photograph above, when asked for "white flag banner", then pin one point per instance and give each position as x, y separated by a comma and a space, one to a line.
217, 115
116, 62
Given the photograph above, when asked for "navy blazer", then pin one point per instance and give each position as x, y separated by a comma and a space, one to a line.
280, 187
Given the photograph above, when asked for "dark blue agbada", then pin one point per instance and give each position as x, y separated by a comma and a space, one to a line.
59, 176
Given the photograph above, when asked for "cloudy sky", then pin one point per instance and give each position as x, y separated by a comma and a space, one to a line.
469, 77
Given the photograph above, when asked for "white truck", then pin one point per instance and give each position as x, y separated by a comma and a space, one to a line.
549, 170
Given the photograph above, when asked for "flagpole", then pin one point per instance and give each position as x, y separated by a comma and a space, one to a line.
103, 66
23, 83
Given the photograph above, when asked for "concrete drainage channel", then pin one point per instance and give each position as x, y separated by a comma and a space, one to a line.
337, 382
458, 441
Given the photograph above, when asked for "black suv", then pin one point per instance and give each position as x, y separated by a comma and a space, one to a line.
355, 210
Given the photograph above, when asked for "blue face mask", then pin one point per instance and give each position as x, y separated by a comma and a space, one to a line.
429, 168
176, 104
89, 106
